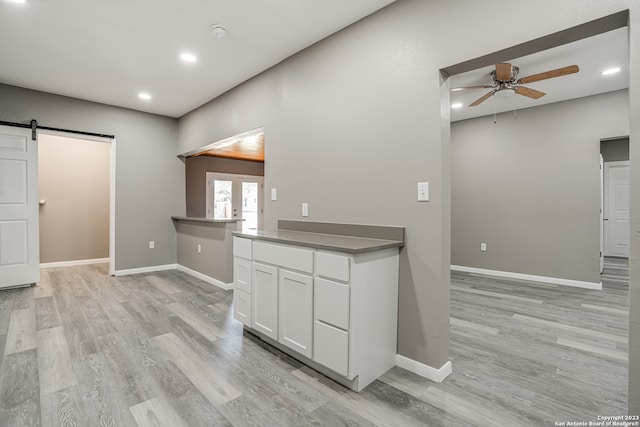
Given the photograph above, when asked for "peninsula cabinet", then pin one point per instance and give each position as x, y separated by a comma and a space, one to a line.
265, 299
333, 308
242, 281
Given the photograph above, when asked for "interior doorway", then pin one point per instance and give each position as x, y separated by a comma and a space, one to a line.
76, 198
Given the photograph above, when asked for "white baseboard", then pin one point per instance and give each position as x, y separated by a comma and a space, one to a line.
205, 278
426, 371
74, 263
520, 276
150, 269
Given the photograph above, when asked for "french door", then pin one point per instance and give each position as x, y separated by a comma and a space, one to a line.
232, 196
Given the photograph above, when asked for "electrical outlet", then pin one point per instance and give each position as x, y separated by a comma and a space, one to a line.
483, 247
199, 248
152, 244
305, 209
274, 194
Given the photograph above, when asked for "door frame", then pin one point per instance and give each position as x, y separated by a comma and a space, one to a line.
602, 214
236, 194
112, 186
606, 181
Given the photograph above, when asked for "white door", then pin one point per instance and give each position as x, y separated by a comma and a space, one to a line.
19, 251
616, 215
296, 311
265, 300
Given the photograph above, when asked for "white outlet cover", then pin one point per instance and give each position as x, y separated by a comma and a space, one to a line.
274, 194
305, 209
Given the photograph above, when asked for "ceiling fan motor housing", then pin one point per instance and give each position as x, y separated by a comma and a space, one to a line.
514, 76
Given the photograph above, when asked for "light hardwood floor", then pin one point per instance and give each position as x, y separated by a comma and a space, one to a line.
85, 349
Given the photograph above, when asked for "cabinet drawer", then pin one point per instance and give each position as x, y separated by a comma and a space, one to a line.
242, 274
331, 303
333, 266
331, 347
242, 247
292, 257
242, 307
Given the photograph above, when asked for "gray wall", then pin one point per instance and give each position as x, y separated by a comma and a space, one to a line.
615, 150
356, 120
216, 243
196, 169
73, 179
149, 176
530, 187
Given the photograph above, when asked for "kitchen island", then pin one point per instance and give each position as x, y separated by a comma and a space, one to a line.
325, 293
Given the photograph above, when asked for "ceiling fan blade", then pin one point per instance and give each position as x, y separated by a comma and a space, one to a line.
481, 99
572, 69
455, 89
529, 93
503, 72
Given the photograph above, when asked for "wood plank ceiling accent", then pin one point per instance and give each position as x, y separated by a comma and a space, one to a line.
248, 148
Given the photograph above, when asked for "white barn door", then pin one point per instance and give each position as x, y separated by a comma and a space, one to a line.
19, 245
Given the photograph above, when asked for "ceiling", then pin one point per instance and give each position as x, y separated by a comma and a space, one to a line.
248, 146
108, 51
592, 55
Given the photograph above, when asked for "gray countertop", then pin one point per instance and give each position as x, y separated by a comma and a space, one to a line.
333, 242
206, 220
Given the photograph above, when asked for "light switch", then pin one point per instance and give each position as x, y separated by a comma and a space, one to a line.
305, 209
423, 191
274, 194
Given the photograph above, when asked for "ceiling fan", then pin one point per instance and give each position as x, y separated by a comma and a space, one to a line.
506, 82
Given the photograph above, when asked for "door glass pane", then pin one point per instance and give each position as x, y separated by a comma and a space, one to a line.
222, 208
250, 205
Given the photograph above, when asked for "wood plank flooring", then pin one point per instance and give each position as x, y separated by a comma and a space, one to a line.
162, 349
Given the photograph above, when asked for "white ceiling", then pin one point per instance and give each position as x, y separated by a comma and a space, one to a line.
592, 55
109, 50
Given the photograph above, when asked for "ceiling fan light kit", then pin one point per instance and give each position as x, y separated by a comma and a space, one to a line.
506, 82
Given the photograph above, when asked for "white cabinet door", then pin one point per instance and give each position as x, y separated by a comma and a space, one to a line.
296, 311
265, 299
19, 246
242, 307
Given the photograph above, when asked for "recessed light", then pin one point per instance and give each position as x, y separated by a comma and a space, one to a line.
144, 95
610, 71
456, 105
188, 57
